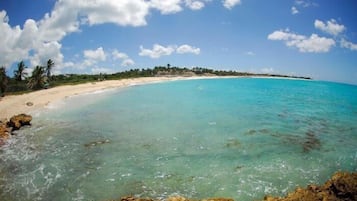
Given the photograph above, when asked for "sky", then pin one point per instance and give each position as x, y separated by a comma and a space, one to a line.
315, 38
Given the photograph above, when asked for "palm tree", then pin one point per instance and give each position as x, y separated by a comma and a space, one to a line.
38, 78
20, 72
3, 81
49, 66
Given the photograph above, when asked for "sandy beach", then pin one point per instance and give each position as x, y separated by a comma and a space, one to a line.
30, 102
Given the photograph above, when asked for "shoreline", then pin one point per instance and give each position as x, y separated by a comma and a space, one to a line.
31, 102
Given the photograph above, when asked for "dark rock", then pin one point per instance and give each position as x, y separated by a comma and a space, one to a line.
17, 121
233, 143
343, 185
96, 143
132, 198
29, 103
311, 142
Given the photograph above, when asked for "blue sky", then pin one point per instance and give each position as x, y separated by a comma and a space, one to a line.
316, 38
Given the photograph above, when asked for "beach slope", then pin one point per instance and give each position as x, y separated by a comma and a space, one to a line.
30, 102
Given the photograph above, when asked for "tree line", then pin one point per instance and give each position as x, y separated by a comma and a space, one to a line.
41, 76
39, 79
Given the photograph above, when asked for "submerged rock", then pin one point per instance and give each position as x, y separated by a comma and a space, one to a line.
233, 143
311, 142
17, 121
95, 143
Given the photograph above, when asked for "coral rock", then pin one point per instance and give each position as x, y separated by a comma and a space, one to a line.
17, 121
131, 198
4, 131
341, 187
218, 199
177, 198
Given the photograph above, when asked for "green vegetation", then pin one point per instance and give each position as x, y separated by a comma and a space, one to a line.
49, 67
3, 81
20, 72
41, 76
38, 79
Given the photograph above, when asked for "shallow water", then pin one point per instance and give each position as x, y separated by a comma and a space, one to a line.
239, 138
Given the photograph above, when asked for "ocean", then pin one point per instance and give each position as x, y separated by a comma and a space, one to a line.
240, 138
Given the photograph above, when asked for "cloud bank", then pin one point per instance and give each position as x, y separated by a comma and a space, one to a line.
158, 50
40, 40
315, 43
229, 4
330, 27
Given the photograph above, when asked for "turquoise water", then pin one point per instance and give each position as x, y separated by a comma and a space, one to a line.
239, 138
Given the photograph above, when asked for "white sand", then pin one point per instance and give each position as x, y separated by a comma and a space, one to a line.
17, 104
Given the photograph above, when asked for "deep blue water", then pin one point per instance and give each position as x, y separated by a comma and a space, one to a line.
240, 138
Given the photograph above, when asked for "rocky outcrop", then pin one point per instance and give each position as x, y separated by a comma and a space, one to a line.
4, 129
341, 187
15, 123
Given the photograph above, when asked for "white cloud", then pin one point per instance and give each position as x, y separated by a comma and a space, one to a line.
349, 45
60, 22
119, 55
166, 6
302, 4
305, 3
194, 5
294, 10
123, 12
157, 51
183, 49
97, 70
40, 40
314, 43
250, 53
229, 4
92, 57
9, 50
45, 51
285, 35
126, 61
267, 70
66, 13
330, 27
96, 55
43, 38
